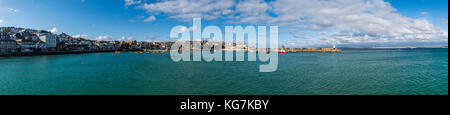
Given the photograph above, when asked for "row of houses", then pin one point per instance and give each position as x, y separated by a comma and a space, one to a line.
15, 40
25, 40
18, 40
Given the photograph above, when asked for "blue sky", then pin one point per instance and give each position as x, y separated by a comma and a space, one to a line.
117, 19
437, 9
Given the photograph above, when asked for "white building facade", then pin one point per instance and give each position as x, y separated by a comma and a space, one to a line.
49, 39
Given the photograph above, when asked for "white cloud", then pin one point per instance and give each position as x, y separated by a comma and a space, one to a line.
444, 35
13, 10
253, 10
104, 38
190, 29
149, 19
1, 21
425, 13
352, 21
80, 36
54, 30
188, 9
343, 21
142, 18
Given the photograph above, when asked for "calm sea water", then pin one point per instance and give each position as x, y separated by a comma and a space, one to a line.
360, 72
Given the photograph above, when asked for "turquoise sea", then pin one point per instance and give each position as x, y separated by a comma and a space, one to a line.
353, 72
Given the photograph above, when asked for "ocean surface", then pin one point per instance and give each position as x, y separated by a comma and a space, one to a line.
353, 72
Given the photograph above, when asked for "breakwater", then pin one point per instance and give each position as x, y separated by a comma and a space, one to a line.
57, 53
323, 50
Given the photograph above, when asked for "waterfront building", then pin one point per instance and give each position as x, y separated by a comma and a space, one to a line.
7, 45
13, 36
26, 45
124, 45
11, 29
48, 38
169, 45
241, 45
133, 44
62, 39
101, 45
41, 46
112, 45
35, 38
3, 35
143, 45
160, 45
76, 40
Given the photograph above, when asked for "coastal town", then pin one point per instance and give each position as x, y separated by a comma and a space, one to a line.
22, 41
16, 41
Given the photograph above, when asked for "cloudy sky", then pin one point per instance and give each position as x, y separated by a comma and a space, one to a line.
303, 23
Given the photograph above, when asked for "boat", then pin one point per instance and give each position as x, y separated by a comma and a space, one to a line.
282, 52
117, 52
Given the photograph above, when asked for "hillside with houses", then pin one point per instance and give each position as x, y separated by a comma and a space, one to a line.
15, 40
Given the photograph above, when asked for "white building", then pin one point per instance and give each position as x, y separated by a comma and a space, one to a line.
49, 39
7, 44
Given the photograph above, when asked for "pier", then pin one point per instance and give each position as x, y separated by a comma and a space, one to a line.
155, 51
320, 50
